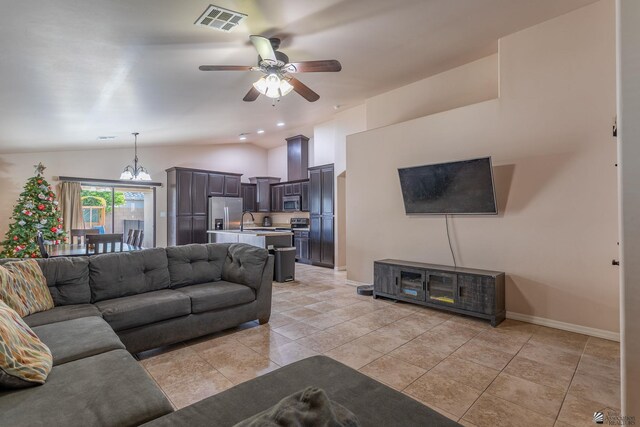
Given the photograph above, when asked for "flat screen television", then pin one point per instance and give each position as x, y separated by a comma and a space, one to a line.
463, 187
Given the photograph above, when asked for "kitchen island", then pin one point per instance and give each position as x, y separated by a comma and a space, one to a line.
262, 238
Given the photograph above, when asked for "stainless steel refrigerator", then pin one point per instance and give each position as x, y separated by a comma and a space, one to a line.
225, 212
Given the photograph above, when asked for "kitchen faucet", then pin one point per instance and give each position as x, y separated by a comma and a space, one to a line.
242, 219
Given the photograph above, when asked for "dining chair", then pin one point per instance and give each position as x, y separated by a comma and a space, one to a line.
43, 249
138, 241
134, 239
78, 235
130, 236
103, 243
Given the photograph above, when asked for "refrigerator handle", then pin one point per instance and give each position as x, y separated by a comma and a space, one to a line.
226, 218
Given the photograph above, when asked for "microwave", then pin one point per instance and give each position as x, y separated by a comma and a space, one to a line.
291, 203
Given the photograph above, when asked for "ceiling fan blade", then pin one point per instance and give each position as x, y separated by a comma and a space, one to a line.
329, 65
252, 95
225, 68
264, 48
303, 90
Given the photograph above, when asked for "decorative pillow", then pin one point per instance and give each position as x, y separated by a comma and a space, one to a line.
24, 360
308, 407
9, 293
24, 288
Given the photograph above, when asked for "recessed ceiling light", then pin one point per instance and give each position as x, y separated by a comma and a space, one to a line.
260, 130
102, 138
243, 137
280, 124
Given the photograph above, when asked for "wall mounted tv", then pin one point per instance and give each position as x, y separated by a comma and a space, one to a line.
464, 187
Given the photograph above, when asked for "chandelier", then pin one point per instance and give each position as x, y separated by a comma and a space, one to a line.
135, 172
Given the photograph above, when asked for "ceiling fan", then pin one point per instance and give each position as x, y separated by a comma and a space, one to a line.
277, 80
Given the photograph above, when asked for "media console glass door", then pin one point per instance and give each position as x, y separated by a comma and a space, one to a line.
442, 288
411, 284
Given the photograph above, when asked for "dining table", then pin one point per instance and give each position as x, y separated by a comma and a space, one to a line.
67, 250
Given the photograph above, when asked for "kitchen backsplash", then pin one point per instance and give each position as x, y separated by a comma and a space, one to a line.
277, 218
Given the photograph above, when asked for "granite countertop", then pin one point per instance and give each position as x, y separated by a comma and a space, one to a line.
253, 232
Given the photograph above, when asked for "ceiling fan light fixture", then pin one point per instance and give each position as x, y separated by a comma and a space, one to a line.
273, 86
285, 87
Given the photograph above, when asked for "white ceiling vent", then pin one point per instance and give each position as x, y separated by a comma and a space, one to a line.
220, 18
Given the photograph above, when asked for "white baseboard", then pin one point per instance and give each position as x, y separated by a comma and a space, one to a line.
598, 333
340, 268
356, 283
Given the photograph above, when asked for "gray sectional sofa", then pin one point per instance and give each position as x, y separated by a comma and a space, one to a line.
108, 306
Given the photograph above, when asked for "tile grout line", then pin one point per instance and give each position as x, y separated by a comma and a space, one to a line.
564, 398
492, 381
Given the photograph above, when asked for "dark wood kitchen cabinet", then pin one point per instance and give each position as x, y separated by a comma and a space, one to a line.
249, 197
301, 242
263, 188
224, 185
321, 209
304, 196
199, 195
232, 186
277, 197
188, 192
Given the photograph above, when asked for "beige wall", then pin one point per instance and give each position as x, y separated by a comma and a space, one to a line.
15, 169
464, 85
550, 137
277, 162
628, 32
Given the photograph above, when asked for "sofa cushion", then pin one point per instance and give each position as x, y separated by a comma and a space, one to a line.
128, 273
143, 309
78, 338
109, 389
24, 360
68, 279
62, 313
244, 264
214, 295
194, 264
24, 288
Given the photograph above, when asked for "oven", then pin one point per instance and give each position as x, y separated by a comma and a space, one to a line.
291, 203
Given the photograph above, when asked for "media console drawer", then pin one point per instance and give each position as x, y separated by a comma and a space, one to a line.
473, 292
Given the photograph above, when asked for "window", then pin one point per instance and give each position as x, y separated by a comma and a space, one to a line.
112, 209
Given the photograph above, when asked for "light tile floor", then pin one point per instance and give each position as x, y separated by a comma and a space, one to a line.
517, 374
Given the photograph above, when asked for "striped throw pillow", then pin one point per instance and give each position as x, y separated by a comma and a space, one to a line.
23, 287
24, 360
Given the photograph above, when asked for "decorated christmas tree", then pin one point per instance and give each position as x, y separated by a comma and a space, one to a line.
36, 211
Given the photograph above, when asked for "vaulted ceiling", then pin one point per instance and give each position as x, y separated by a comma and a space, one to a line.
74, 70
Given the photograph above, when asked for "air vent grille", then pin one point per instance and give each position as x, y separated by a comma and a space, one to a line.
220, 19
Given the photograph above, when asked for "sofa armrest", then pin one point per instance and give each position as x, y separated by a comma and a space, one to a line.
263, 293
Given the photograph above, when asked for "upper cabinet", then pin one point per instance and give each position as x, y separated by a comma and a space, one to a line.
249, 197
297, 157
224, 185
263, 192
285, 189
232, 185
216, 184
